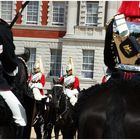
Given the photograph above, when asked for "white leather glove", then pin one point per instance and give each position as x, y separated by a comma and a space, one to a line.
68, 93
73, 100
38, 85
32, 85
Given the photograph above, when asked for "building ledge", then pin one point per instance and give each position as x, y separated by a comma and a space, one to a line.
39, 27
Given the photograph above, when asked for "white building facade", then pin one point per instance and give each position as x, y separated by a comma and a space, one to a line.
84, 25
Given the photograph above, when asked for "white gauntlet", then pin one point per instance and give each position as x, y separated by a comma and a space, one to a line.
32, 85
38, 85
73, 100
72, 94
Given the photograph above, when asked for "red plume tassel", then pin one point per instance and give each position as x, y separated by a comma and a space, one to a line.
130, 8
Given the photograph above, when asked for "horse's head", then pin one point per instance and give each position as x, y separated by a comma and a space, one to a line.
26, 55
57, 92
47, 103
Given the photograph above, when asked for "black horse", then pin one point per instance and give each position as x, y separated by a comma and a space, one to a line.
38, 120
109, 110
20, 88
63, 113
49, 115
44, 118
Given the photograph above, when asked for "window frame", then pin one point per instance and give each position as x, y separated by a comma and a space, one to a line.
37, 14
94, 15
58, 13
57, 55
7, 9
85, 71
31, 61
50, 15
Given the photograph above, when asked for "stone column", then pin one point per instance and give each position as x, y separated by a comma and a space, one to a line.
72, 17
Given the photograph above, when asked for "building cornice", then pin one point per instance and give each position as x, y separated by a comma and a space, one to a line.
75, 38
36, 27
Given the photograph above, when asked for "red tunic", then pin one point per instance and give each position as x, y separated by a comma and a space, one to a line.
42, 81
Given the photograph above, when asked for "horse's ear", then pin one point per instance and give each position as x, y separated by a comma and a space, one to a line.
4, 23
27, 54
54, 81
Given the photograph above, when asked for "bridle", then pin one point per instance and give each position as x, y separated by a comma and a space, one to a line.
58, 102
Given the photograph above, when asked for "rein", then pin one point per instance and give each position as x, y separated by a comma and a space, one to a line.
66, 109
66, 102
58, 85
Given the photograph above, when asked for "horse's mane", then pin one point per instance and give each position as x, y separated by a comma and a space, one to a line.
20, 85
85, 94
120, 95
122, 87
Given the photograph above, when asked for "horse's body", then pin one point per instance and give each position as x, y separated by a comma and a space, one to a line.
110, 110
63, 113
49, 115
44, 119
20, 88
38, 121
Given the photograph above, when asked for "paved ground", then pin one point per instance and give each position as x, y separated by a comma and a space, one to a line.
33, 135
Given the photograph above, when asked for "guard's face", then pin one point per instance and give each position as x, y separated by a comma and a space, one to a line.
69, 72
36, 70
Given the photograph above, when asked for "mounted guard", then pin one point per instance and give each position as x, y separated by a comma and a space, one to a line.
122, 41
10, 67
37, 81
71, 83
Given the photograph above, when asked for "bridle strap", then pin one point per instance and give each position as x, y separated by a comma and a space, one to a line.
58, 85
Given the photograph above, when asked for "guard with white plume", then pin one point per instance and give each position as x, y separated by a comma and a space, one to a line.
70, 82
37, 80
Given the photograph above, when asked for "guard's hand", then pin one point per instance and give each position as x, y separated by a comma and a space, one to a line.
68, 93
32, 86
73, 100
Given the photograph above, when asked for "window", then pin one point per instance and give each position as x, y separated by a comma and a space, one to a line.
58, 13
32, 59
88, 63
32, 12
55, 65
92, 13
7, 10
